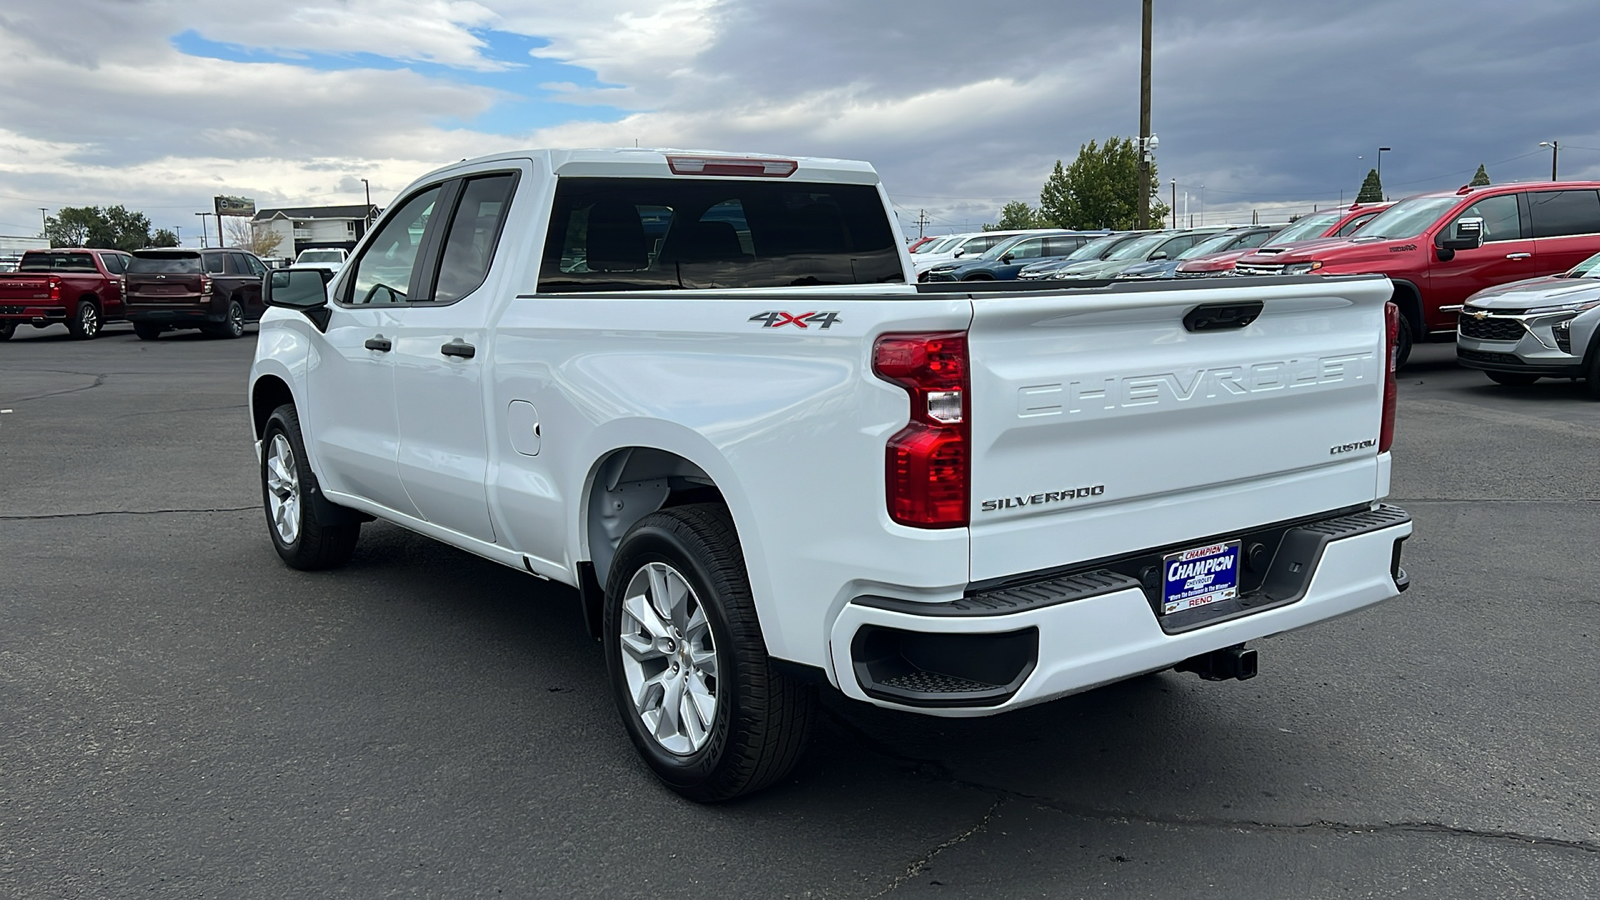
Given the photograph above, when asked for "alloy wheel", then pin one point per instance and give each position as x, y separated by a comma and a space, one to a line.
283, 489
669, 658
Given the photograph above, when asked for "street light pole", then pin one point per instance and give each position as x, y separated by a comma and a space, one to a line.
366, 216
1381, 152
179, 231
1555, 153
203, 226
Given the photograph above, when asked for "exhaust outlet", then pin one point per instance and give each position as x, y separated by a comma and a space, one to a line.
1236, 662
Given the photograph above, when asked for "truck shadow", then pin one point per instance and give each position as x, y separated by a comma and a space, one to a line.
1124, 733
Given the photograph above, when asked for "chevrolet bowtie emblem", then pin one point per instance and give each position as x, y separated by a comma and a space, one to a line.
1480, 315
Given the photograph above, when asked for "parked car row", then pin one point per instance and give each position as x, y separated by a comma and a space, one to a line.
215, 290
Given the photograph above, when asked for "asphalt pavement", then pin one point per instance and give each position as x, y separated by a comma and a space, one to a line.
182, 715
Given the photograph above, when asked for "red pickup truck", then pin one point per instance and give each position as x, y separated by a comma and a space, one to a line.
81, 289
1441, 248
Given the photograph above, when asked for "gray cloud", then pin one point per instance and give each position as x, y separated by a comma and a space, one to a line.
961, 107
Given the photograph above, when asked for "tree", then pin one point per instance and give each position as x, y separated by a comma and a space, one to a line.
1482, 178
72, 225
163, 238
1371, 189
261, 243
1100, 189
88, 226
1015, 216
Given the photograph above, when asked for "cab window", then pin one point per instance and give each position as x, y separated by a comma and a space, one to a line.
474, 231
383, 271
1560, 213
1502, 221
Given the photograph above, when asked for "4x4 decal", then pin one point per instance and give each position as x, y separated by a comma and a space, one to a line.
800, 320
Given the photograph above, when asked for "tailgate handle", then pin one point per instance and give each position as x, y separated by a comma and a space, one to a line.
1221, 316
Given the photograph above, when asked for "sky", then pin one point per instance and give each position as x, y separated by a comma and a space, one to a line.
1262, 107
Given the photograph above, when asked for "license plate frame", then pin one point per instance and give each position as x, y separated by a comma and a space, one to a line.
1200, 576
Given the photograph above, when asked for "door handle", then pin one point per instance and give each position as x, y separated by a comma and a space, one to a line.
1518, 255
458, 347
379, 343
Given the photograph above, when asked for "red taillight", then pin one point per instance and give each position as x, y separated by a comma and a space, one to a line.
926, 463
741, 167
1391, 383
55, 288
205, 284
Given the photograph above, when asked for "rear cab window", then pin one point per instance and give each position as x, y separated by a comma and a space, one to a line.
57, 262
160, 263
620, 234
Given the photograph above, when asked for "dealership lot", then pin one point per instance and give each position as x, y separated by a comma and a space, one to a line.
183, 714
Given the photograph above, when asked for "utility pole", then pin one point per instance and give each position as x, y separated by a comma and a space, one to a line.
1174, 201
922, 221
45, 216
1144, 121
203, 226
179, 231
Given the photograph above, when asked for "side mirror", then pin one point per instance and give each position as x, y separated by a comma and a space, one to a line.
1468, 235
1006, 258
1159, 254
302, 290
958, 254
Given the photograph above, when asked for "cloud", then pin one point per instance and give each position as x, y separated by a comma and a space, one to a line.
1266, 104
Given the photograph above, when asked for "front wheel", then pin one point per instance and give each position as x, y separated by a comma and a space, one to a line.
86, 323
688, 665
7, 329
286, 482
1403, 345
1512, 379
146, 331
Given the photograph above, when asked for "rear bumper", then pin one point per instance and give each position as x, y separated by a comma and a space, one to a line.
1086, 629
176, 314
28, 312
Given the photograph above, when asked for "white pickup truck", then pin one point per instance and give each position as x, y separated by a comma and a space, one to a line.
706, 392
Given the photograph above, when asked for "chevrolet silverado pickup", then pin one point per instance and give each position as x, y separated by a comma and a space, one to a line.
705, 391
81, 289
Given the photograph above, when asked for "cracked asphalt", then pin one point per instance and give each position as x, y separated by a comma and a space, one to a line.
182, 715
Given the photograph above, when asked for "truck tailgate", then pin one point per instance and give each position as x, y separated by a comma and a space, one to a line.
1103, 423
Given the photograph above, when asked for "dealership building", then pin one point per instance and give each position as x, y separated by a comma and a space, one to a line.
314, 227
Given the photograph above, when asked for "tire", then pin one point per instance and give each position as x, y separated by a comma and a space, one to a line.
7, 329
1591, 380
1405, 340
85, 323
146, 331
759, 720
232, 326
1512, 379
286, 485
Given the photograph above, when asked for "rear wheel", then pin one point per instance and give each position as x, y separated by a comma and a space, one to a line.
688, 665
146, 331
85, 324
286, 484
233, 325
1592, 379
1512, 379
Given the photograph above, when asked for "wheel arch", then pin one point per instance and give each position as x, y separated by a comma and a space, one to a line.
1409, 299
267, 394
643, 476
